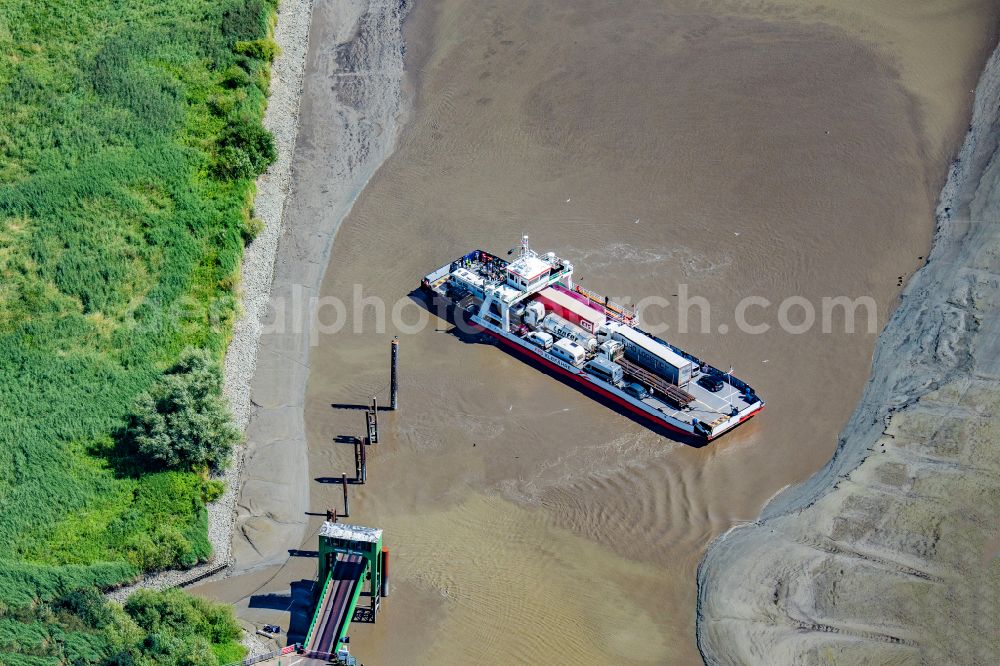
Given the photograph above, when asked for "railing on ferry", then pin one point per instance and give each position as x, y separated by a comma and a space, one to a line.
615, 311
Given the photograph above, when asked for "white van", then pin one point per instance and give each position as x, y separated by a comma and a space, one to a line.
540, 339
569, 351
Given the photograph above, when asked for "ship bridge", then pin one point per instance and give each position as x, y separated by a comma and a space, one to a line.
526, 275
527, 272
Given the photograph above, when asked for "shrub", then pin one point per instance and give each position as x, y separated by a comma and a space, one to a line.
222, 105
245, 19
262, 49
235, 76
246, 149
186, 628
212, 490
234, 163
252, 226
163, 612
182, 422
231, 282
83, 628
87, 604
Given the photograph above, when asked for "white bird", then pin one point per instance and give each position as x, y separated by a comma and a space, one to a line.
636, 221
736, 233
567, 200
765, 360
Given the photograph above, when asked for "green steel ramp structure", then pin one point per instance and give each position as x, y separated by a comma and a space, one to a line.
348, 556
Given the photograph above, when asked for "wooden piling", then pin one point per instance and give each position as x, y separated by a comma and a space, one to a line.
343, 483
358, 448
364, 463
371, 427
394, 377
371, 422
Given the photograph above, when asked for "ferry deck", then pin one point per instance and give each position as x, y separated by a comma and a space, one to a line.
699, 404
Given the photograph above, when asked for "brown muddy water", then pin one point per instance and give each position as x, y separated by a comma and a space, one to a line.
733, 150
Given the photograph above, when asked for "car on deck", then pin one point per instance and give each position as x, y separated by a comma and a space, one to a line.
637, 391
712, 383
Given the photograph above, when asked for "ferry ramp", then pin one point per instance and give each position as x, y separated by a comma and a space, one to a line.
336, 605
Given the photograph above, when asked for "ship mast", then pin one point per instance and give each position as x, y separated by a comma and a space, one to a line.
525, 249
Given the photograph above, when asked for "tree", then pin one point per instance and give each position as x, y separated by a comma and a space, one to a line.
182, 422
246, 149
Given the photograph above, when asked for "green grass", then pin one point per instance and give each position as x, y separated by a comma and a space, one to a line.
22, 583
122, 224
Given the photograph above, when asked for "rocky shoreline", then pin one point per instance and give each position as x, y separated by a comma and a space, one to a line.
889, 553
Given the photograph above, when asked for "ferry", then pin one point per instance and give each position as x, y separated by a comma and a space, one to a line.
532, 305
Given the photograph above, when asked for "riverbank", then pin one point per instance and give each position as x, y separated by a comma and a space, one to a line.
281, 118
351, 110
889, 553
356, 53
338, 125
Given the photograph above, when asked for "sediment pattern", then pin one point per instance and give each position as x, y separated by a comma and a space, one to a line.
358, 48
889, 554
282, 119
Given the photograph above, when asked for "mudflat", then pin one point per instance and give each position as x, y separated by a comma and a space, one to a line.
889, 553
739, 150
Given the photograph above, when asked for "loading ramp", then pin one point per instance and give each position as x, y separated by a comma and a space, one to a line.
336, 606
349, 555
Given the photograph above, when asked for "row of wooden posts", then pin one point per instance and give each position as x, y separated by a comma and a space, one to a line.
371, 435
